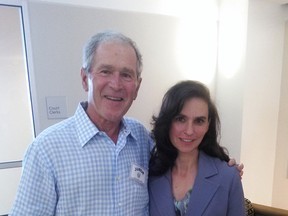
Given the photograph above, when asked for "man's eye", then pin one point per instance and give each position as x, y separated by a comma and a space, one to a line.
127, 76
104, 72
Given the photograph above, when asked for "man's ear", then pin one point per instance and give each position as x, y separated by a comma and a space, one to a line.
139, 84
84, 79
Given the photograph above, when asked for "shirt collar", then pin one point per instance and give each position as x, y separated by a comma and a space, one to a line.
126, 128
84, 126
86, 129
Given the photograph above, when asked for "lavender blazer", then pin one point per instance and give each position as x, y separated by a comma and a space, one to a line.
217, 191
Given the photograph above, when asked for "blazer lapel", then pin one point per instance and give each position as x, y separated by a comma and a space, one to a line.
161, 188
203, 189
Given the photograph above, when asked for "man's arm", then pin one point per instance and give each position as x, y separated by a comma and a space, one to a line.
36, 193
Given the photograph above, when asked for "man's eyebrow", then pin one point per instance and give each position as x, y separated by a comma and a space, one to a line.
105, 66
129, 70
111, 67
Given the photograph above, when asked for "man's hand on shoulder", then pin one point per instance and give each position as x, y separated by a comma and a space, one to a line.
240, 167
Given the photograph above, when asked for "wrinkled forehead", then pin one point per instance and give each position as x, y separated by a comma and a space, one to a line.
117, 55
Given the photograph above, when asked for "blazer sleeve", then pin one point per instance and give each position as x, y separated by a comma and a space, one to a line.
236, 196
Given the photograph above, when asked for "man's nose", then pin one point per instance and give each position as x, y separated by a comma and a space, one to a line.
116, 81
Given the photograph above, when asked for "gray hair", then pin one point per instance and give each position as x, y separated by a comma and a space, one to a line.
108, 36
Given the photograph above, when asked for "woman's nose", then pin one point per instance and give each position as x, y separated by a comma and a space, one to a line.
189, 129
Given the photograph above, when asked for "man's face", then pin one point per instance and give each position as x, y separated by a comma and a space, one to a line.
112, 84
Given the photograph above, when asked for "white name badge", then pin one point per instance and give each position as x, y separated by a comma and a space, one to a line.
138, 173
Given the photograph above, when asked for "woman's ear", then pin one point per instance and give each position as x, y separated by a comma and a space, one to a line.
84, 79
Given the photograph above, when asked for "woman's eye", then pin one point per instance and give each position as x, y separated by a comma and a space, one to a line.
179, 119
200, 120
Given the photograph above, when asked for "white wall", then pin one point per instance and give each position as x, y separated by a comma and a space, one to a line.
280, 185
158, 36
57, 51
249, 95
262, 82
230, 71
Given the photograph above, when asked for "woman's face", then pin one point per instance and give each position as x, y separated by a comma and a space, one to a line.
190, 126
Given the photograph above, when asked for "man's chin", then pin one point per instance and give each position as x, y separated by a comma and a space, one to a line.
114, 118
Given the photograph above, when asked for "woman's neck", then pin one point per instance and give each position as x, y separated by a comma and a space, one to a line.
183, 174
186, 162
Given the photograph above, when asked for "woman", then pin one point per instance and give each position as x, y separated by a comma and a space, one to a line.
189, 174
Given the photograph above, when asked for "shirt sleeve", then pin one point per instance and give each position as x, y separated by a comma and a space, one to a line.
151, 142
36, 193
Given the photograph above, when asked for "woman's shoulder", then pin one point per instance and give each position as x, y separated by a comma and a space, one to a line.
221, 166
155, 180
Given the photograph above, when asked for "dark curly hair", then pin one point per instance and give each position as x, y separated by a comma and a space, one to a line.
164, 154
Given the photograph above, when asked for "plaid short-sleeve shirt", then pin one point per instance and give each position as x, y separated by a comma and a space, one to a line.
72, 168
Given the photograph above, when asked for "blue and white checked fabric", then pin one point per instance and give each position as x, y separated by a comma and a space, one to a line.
72, 168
